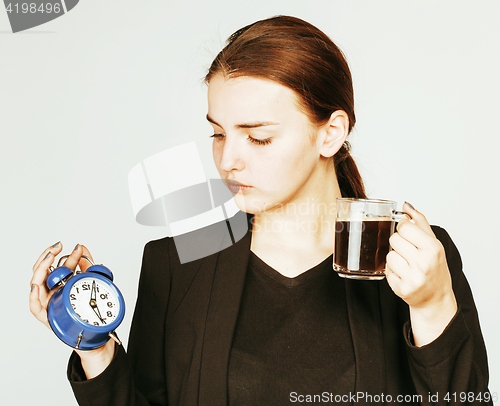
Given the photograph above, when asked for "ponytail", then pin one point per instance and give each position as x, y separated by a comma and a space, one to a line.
348, 177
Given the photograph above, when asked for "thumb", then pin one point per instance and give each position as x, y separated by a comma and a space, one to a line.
418, 218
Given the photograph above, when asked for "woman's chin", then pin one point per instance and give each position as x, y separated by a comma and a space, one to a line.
247, 205
242, 204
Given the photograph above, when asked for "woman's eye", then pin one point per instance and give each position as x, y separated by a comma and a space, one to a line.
259, 142
252, 140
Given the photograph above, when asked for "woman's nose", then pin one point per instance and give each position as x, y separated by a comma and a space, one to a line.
230, 158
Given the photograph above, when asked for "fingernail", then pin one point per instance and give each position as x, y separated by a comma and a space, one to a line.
46, 256
56, 244
411, 206
76, 247
32, 287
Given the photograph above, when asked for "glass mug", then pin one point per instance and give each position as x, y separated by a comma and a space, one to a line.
362, 231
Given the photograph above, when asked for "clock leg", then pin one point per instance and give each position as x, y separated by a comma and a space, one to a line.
79, 340
113, 335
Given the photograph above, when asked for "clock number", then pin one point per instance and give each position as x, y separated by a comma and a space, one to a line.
110, 314
73, 306
104, 296
85, 320
110, 304
72, 296
96, 323
77, 291
86, 287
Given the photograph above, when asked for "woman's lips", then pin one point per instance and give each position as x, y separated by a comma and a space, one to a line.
236, 187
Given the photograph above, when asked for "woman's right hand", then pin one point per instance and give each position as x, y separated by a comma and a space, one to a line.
93, 361
40, 295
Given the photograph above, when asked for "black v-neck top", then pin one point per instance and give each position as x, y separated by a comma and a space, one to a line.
184, 324
292, 337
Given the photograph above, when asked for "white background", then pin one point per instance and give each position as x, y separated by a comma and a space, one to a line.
89, 95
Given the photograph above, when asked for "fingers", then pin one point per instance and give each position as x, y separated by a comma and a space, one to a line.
75, 259
393, 278
36, 307
84, 264
397, 265
41, 271
54, 249
415, 235
418, 218
404, 248
399, 275
39, 294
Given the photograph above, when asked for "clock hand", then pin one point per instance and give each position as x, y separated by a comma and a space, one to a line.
93, 302
96, 311
93, 293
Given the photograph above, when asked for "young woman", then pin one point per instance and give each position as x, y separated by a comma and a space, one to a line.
267, 321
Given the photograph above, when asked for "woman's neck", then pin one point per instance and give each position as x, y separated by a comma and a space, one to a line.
297, 235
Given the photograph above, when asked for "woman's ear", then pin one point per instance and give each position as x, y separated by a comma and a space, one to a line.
333, 134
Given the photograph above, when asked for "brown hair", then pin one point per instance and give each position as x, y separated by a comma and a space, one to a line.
299, 56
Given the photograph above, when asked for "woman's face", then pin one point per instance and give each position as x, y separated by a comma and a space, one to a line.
263, 142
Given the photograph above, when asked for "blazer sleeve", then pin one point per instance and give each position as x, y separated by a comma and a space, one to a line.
137, 377
455, 363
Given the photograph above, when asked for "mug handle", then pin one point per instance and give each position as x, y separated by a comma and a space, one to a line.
400, 213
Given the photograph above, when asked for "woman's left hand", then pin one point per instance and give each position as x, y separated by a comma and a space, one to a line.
418, 273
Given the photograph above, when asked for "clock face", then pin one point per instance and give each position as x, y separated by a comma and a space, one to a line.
94, 302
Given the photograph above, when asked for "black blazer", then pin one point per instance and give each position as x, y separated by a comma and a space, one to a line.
185, 316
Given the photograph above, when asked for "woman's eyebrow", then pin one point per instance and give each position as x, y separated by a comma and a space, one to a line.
244, 125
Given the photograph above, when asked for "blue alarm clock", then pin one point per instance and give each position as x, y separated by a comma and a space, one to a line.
86, 308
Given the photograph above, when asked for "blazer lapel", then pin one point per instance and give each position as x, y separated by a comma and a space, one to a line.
222, 314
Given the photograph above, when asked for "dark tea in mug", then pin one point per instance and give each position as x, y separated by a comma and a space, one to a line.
361, 246
362, 231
